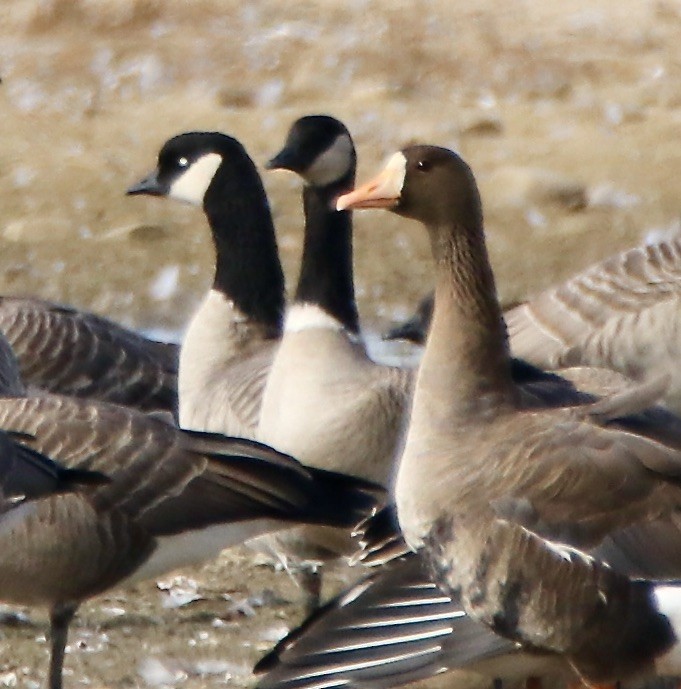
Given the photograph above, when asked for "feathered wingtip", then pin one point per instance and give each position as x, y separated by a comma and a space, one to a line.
308, 494
379, 538
26, 474
392, 628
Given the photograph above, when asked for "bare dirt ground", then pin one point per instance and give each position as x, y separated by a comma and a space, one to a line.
569, 114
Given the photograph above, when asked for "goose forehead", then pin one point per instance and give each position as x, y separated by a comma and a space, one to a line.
192, 184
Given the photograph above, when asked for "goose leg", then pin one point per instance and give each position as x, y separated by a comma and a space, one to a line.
60, 618
310, 580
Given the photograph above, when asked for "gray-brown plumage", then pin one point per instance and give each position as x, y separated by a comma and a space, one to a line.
510, 499
229, 343
619, 314
74, 352
622, 314
170, 498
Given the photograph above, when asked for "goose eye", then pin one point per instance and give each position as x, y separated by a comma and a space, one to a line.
182, 162
423, 165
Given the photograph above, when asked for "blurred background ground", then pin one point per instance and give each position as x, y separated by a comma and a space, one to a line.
569, 114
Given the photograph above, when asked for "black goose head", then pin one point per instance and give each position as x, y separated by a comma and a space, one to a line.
214, 171
189, 166
319, 148
426, 183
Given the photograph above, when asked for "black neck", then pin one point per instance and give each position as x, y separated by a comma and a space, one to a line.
247, 270
326, 277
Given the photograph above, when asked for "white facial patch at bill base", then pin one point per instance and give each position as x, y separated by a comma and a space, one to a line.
382, 191
331, 165
192, 184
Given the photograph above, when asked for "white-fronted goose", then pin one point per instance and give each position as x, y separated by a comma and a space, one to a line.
74, 352
172, 498
509, 500
326, 402
228, 346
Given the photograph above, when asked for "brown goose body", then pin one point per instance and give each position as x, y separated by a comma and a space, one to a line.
172, 498
505, 500
74, 352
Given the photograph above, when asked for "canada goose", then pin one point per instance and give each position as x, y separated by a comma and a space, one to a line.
171, 498
74, 352
325, 400
509, 499
229, 344
324, 396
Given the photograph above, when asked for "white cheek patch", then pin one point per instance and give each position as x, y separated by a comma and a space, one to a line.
331, 165
192, 184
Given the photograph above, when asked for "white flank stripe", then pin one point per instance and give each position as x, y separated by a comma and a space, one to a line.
418, 601
416, 619
668, 602
191, 185
328, 684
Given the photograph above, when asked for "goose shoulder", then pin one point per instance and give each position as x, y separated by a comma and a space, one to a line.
621, 313
61, 349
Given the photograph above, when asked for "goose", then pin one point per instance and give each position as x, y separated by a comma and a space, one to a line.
326, 401
510, 500
621, 313
69, 351
170, 498
228, 346
618, 314
325, 398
